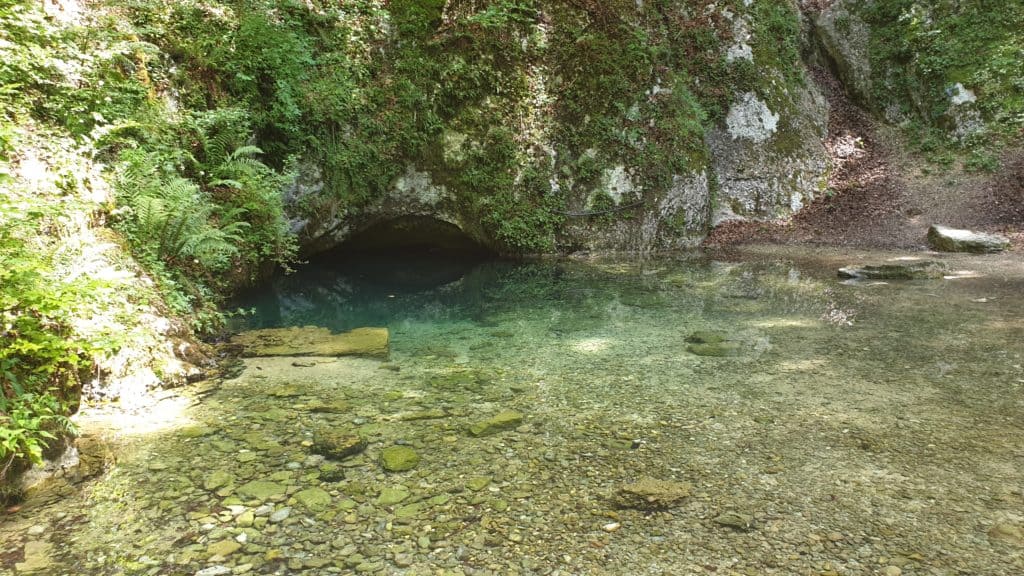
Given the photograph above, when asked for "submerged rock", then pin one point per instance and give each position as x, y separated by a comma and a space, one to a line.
392, 496
651, 494
718, 349
507, 420
332, 407
314, 499
952, 240
399, 458
337, 444
1007, 533
707, 337
313, 341
907, 270
218, 479
712, 343
261, 489
736, 521
223, 548
37, 557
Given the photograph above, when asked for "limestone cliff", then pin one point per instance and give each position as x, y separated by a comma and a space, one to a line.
565, 126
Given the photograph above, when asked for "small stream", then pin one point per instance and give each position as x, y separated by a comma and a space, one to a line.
843, 429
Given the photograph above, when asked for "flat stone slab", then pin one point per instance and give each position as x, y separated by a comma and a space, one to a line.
908, 270
506, 420
652, 494
313, 341
953, 240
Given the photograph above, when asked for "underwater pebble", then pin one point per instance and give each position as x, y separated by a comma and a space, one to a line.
214, 571
280, 515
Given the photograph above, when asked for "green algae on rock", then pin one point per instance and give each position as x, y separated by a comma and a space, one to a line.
313, 341
399, 458
651, 494
506, 420
261, 489
706, 337
392, 496
736, 520
910, 269
314, 499
337, 444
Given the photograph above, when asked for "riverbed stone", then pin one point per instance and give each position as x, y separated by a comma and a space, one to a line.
505, 420
314, 499
392, 496
946, 239
217, 570
37, 557
337, 444
719, 349
707, 337
1007, 533
261, 489
313, 341
651, 494
910, 269
280, 515
399, 458
736, 521
218, 479
328, 407
223, 548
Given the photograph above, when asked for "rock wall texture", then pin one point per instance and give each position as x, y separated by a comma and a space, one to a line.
568, 126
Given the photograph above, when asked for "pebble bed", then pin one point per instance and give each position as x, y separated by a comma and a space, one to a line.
851, 429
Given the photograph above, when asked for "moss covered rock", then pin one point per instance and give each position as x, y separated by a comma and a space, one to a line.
261, 490
399, 458
313, 341
337, 444
313, 499
651, 494
506, 420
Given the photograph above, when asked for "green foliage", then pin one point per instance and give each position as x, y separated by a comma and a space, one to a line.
28, 423
197, 206
920, 49
39, 356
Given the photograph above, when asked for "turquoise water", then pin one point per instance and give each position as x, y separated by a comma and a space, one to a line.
853, 428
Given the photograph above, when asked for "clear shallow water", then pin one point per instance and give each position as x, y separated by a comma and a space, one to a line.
862, 427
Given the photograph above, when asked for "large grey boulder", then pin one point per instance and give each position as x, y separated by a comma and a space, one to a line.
953, 240
846, 39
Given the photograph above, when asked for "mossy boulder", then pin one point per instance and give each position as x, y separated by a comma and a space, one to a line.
506, 420
337, 444
399, 458
313, 341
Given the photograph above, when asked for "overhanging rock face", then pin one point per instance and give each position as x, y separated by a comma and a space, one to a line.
555, 134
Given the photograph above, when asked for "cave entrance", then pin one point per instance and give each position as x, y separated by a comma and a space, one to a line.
407, 254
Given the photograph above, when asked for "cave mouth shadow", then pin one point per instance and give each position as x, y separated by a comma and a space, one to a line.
406, 254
